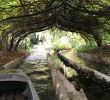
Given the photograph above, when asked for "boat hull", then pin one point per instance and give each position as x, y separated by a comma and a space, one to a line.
17, 86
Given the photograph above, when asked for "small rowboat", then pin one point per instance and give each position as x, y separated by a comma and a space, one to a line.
16, 86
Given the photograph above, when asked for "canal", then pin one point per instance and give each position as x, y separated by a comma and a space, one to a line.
105, 69
36, 67
93, 90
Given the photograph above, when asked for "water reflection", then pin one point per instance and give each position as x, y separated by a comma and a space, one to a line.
93, 90
105, 69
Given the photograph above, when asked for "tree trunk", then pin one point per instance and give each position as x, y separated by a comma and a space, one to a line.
17, 44
11, 44
98, 40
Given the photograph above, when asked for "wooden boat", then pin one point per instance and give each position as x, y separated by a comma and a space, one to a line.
16, 86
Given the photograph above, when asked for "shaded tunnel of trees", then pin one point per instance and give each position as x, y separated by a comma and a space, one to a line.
19, 18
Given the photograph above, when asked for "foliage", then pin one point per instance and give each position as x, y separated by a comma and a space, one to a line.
56, 60
19, 18
69, 72
57, 47
60, 39
87, 49
25, 44
33, 39
106, 38
76, 40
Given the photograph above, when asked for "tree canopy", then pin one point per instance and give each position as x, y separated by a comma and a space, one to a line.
19, 18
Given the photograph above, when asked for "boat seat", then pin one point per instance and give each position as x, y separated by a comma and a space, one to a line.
10, 86
19, 97
10, 97
3, 97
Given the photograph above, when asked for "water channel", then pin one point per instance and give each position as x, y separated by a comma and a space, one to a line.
92, 90
105, 69
36, 67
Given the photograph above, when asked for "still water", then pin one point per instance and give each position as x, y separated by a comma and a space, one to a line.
105, 69
93, 90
